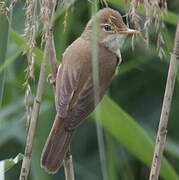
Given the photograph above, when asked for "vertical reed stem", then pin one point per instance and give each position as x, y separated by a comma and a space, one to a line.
95, 76
68, 167
36, 106
35, 114
162, 129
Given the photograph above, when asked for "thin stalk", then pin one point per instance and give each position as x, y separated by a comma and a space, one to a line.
104, 3
68, 167
36, 106
35, 114
162, 130
95, 71
53, 59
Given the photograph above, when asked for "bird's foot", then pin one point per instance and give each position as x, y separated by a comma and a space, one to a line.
51, 79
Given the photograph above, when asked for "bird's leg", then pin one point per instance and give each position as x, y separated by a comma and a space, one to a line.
53, 62
53, 57
51, 79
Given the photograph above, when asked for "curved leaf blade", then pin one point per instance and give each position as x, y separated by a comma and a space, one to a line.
7, 164
129, 133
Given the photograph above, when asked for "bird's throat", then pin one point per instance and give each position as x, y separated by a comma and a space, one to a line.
114, 42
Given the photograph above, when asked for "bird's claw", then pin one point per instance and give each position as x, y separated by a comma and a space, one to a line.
50, 79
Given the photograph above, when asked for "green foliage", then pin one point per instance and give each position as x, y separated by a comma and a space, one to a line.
4, 26
136, 140
171, 17
9, 163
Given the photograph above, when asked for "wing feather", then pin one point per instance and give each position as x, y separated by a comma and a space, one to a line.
74, 92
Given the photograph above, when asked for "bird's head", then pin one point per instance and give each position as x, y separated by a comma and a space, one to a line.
111, 28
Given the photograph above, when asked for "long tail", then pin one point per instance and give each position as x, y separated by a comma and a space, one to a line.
56, 146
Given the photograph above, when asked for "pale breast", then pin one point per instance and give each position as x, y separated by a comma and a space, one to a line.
114, 43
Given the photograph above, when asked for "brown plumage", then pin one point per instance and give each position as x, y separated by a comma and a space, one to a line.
74, 83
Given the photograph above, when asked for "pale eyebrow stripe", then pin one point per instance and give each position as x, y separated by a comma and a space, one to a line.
106, 24
112, 17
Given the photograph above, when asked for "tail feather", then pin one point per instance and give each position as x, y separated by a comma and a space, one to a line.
56, 146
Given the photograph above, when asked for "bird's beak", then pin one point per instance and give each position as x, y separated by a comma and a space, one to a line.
129, 31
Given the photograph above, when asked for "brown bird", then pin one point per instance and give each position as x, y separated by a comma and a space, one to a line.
74, 82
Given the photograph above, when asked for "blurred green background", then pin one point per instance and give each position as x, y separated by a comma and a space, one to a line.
130, 112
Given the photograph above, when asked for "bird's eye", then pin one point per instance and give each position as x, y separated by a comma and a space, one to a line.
107, 27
